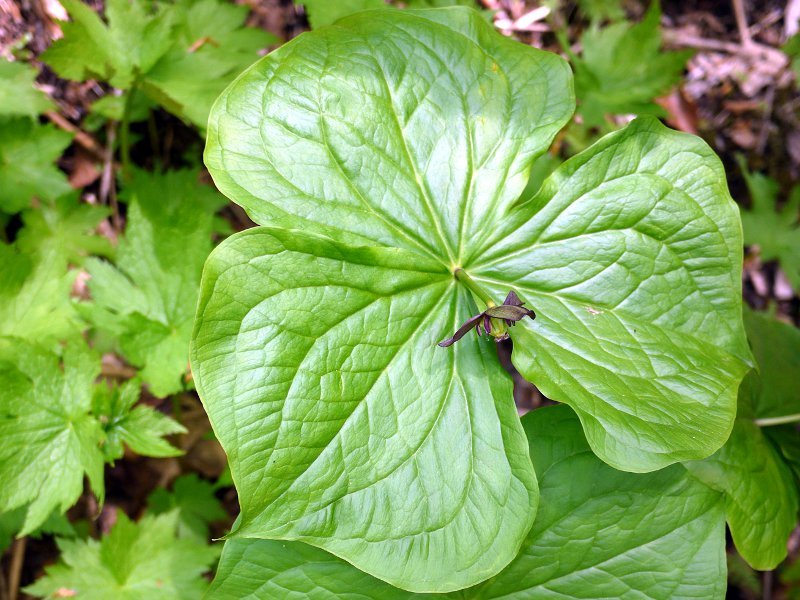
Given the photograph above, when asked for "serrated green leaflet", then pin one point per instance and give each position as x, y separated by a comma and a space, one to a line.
181, 54
774, 232
601, 534
18, 96
148, 299
48, 439
141, 428
136, 561
622, 68
384, 153
27, 153
197, 506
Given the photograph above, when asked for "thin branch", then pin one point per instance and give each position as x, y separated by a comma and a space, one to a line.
783, 420
15, 568
3, 583
108, 186
117, 371
82, 138
741, 23
763, 134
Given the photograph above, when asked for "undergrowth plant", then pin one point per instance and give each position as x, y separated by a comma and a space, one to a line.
385, 159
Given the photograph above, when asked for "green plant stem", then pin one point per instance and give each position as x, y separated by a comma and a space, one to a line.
124, 134
770, 421
473, 287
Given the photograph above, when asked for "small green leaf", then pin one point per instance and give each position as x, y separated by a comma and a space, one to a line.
28, 152
141, 428
601, 533
761, 495
180, 54
18, 96
10, 523
136, 561
66, 226
775, 232
776, 347
136, 37
151, 294
195, 500
599, 10
48, 438
325, 12
35, 300
622, 68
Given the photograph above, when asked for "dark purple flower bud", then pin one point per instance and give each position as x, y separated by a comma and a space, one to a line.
511, 311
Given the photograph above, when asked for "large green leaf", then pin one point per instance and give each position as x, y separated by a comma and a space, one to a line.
755, 476
406, 139
601, 533
405, 128
350, 410
630, 254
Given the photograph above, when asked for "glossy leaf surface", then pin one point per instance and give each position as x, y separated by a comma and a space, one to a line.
601, 533
630, 255
391, 149
754, 474
348, 352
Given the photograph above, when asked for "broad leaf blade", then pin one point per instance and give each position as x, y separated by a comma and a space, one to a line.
630, 255
345, 425
761, 495
615, 534
776, 346
755, 476
405, 128
601, 533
